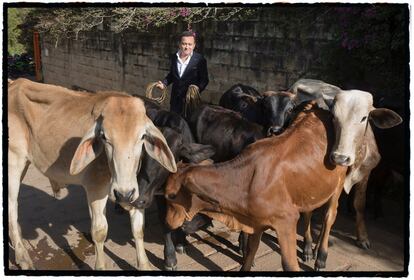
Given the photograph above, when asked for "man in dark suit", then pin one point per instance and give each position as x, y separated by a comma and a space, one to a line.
187, 68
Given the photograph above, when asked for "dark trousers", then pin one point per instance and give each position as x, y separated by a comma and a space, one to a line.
177, 104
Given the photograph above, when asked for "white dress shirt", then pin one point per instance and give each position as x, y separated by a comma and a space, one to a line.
181, 66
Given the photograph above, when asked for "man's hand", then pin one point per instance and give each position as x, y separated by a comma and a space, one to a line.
160, 85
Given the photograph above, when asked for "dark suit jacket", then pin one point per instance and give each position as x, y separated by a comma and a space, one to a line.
195, 74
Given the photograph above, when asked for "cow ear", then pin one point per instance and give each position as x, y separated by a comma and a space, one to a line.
308, 90
385, 118
90, 147
157, 148
302, 95
195, 153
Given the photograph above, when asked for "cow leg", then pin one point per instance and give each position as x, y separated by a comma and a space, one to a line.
97, 198
253, 242
180, 240
330, 216
307, 237
359, 205
137, 224
286, 236
17, 166
170, 258
243, 239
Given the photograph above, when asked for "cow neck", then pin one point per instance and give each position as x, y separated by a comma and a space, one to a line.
207, 177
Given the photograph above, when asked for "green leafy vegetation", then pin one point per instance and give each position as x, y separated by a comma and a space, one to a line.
15, 17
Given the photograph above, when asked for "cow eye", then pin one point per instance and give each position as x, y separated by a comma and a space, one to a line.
243, 105
363, 119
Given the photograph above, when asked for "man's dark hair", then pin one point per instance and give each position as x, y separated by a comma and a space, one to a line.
188, 34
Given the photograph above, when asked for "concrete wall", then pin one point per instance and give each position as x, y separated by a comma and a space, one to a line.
263, 52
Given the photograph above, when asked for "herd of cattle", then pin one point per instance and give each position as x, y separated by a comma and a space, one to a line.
255, 162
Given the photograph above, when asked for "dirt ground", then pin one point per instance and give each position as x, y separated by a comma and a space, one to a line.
58, 238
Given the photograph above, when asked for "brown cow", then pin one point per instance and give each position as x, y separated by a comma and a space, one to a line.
94, 140
266, 186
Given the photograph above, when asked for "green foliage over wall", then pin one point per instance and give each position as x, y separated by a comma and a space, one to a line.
15, 17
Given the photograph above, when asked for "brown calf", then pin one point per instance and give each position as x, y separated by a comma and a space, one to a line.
266, 186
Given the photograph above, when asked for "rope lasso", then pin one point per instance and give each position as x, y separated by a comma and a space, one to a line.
192, 99
150, 88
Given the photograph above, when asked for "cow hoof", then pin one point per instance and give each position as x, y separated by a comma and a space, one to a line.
25, 265
320, 262
170, 268
307, 257
99, 266
24, 261
145, 267
308, 253
180, 249
319, 265
57, 195
364, 244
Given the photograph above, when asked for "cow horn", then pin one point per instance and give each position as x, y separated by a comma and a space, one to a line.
253, 98
269, 93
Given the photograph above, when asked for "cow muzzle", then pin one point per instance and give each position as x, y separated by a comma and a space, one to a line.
199, 221
274, 130
142, 203
127, 197
340, 159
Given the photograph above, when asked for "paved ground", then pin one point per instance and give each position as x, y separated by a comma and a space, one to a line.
57, 232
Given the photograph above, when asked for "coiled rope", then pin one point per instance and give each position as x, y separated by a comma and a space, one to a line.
192, 99
150, 88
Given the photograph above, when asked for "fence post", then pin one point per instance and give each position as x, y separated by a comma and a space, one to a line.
36, 48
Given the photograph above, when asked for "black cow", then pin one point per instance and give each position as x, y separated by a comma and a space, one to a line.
243, 99
151, 181
270, 109
161, 117
228, 132
224, 129
278, 110
152, 176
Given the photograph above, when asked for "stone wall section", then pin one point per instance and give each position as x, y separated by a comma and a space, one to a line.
263, 52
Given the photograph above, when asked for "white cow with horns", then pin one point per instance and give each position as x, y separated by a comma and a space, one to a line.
355, 146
